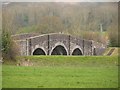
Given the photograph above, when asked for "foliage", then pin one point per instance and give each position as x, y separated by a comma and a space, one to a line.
79, 16
9, 48
113, 37
80, 19
92, 35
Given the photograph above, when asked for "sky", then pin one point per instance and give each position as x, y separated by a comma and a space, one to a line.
60, 1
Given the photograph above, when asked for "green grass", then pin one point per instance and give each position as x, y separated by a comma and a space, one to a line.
63, 72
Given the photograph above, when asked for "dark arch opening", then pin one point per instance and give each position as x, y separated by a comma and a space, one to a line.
38, 51
59, 50
77, 51
94, 51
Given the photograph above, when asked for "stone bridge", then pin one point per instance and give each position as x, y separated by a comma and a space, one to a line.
56, 44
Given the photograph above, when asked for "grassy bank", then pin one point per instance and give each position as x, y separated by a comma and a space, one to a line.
63, 71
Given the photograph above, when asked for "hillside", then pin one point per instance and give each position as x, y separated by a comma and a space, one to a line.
85, 20
59, 17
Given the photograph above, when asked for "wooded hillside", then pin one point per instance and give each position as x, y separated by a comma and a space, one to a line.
86, 20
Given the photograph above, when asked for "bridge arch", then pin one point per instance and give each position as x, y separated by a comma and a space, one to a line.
77, 51
59, 49
39, 51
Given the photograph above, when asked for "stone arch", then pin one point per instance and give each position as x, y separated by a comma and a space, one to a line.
59, 49
77, 51
40, 48
39, 51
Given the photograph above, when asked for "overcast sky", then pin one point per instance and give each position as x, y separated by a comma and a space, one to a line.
59, 0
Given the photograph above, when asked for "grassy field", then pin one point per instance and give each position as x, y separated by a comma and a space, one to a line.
63, 72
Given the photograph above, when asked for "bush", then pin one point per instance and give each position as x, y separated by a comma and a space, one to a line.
93, 35
113, 37
9, 47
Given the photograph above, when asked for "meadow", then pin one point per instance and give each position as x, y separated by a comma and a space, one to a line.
62, 72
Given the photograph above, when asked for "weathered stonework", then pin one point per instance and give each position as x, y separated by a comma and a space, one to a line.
48, 43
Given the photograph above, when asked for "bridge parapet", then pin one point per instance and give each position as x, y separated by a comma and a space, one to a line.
23, 36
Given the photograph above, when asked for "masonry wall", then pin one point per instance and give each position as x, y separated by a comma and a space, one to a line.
49, 41
98, 48
22, 44
74, 43
58, 39
87, 47
38, 42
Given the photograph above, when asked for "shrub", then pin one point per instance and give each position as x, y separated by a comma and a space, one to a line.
9, 47
113, 37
